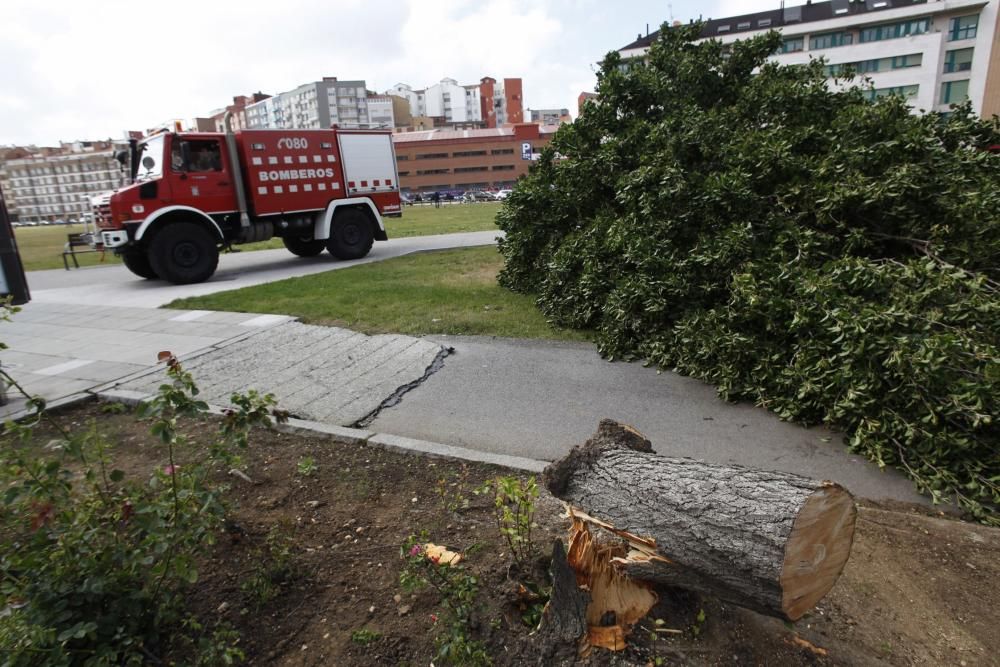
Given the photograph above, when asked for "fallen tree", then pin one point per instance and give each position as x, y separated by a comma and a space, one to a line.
798, 245
768, 541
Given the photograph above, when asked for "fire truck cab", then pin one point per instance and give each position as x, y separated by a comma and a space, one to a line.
193, 194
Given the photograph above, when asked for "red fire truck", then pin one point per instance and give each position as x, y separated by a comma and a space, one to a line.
195, 193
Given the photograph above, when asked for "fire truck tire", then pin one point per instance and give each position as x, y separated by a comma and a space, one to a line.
351, 235
184, 253
304, 247
137, 261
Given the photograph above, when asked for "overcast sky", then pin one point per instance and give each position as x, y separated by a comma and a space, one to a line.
90, 69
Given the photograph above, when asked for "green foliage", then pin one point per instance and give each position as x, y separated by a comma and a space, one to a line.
457, 589
514, 511
96, 565
834, 259
364, 637
271, 570
306, 466
451, 489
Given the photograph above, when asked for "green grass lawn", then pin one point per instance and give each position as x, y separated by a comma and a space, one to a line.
425, 220
443, 292
42, 247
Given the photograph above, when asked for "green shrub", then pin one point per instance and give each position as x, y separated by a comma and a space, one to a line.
834, 259
95, 566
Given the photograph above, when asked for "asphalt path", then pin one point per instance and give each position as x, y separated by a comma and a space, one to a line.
536, 399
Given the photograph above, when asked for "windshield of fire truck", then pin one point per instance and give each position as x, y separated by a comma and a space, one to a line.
150, 159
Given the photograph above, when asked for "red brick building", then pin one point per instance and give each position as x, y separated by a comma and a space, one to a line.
460, 160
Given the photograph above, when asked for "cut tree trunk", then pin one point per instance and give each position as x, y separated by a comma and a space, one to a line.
768, 541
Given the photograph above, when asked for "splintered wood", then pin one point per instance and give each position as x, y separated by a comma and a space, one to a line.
616, 602
768, 541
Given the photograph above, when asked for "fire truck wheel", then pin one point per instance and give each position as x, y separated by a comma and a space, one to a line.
183, 253
137, 261
351, 235
304, 247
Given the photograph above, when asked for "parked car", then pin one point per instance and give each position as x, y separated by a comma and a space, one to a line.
503, 194
405, 199
477, 195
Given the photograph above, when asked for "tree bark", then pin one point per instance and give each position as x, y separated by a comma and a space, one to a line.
769, 541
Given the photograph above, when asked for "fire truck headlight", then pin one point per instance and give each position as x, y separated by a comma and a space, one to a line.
138, 208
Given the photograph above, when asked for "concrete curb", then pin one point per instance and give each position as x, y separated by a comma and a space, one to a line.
57, 404
354, 436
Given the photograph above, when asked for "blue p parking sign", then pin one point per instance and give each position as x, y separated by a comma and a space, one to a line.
526, 150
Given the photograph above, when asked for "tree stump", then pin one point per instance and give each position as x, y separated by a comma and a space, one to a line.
768, 541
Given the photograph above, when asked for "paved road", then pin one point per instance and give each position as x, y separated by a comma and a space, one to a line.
536, 399
524, 398
116, 286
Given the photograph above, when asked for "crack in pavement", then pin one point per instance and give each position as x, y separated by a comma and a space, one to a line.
395, 397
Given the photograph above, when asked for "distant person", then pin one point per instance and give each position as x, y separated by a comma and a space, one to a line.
436, 198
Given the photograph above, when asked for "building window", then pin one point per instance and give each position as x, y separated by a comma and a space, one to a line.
404, 173
464, 170
431, 172
958, 60
763, 23
502, 151
743, 26
503, 167
905, 91
431, 156
723, 28
400, 158
792, 45
911, 60
963, 27
830, 40
953, 92
468, 153
895, 30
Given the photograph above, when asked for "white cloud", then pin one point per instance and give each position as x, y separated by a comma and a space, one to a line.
87, 69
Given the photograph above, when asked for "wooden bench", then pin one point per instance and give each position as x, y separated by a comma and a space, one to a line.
74, 241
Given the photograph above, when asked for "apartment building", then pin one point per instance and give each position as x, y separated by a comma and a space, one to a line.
238, 111
549, 116
48, 184
487, 104
459, 160
934, 52
319, 104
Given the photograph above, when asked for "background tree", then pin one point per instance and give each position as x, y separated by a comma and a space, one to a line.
833, 258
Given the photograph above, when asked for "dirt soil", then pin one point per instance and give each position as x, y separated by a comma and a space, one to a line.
919, 589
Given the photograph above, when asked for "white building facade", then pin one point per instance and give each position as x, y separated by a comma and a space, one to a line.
58, 184
316, 105
936, 53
